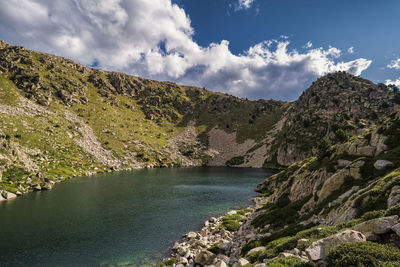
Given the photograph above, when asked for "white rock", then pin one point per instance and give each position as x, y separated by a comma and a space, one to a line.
319, 249
191, 235
242, 262
183, 260
232, 212
221, 263
382, 164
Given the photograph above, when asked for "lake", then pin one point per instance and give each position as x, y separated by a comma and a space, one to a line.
119, 218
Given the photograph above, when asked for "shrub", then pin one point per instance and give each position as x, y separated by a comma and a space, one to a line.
288, 262
324, 147
215, 248
235, 161
168, 263
230, 225
395, 210
362, 254
341, 136
243, 211
372, 215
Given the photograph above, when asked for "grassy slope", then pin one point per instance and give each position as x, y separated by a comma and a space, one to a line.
130, 116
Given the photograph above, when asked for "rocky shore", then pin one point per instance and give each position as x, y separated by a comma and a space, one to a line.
218, 243
216, 246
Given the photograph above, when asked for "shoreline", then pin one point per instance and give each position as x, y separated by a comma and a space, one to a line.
195, 247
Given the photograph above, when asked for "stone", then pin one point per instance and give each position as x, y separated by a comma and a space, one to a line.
2, 198
205, 257
232, 212
285, 255
191, 235
8, 195
180, 265
377, 226
319, 249
183, 260
394, 197
225, 246
221, 263
242, 262
36, 187
255, 250
382, 164
396, 229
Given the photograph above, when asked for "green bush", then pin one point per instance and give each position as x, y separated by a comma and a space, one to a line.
395, 210
324, 147
230, 225
372, 215
362, 254
288, 262
168, 263
215, 248
243, 211
235, 161
341, 136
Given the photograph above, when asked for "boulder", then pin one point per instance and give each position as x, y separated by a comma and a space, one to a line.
382, 164
8, 195
191, 235
2, 198
319, 249
221, 263
377, 226
243, 262
232, 212
205, 257
394, 197
183, 260
255, 250
396, 229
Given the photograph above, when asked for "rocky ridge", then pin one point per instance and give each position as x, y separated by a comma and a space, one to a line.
340, 207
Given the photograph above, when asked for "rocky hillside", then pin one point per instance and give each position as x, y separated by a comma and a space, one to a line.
340, 207
59, 119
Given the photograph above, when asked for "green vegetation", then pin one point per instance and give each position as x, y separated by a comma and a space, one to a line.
235, 161
288, 262
363, 254
395, 210
341, 136
168, 263
215, 248
232, 222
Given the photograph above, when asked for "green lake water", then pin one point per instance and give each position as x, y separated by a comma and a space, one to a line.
128, 218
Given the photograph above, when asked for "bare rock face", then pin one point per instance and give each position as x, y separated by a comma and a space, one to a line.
377, 226
319, 249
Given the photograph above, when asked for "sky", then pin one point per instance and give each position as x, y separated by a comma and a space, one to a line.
247, 48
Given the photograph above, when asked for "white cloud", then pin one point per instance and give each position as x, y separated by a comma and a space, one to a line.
154, 39
244, 4
395, 82
308, 45
351, 50
394, 64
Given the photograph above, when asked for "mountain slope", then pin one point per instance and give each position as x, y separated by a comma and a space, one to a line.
60, 119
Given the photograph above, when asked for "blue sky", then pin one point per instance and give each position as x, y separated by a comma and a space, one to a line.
248, 48
372, 27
